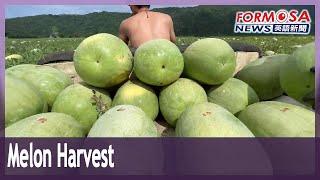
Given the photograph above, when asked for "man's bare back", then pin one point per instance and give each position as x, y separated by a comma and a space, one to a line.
146, 25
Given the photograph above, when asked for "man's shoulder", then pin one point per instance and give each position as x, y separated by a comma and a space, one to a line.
126, 22
162, 14
133, 18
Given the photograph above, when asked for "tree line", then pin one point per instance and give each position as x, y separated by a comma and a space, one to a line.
188, 21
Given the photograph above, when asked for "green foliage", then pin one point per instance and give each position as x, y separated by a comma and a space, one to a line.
68, 25
188, 21
54, 32
33, 50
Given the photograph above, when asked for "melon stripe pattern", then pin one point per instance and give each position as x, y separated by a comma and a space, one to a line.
277, 119
234, 95
21, 100
210, 120
124, 121
49, 81
46, 125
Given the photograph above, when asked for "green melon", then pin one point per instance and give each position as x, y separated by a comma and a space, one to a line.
277, 119
124, 121
46, 125
49, 81
210, 61
263, 76
234, 95
14, 57
137, 94
84, 103
290, 100
210, 120
176, 97
297, 77
158, 62
103, 60
21, 100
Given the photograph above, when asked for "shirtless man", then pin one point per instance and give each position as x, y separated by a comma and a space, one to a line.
145, 25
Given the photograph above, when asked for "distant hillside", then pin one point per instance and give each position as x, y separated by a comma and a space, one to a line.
189, 21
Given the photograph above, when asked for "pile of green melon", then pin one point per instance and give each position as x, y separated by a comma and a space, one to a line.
193, 92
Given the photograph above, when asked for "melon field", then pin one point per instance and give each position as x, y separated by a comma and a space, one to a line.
34, 49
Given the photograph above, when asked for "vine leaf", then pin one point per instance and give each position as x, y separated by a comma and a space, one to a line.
97, 101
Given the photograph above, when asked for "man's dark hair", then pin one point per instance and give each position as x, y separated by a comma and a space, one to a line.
142, 6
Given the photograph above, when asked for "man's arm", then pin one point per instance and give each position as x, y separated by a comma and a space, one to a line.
172, 34
123, 32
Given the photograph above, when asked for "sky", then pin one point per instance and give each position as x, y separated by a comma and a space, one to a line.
32, 10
